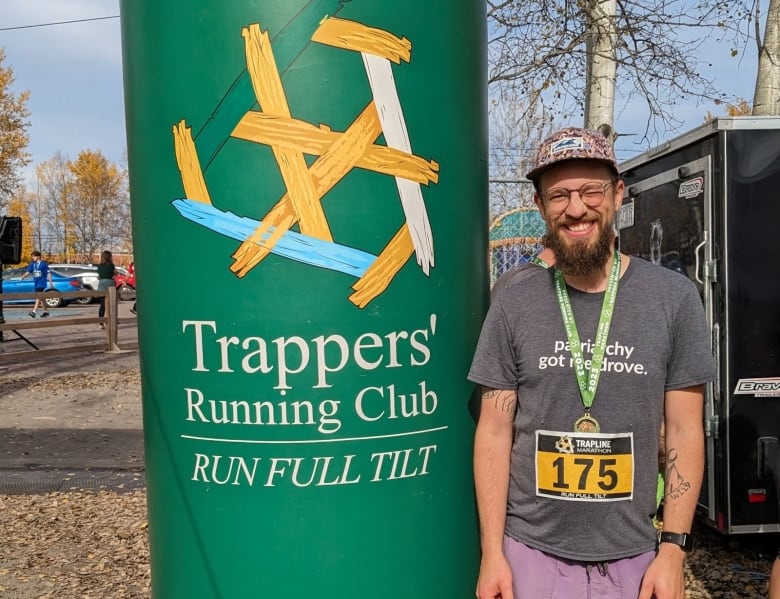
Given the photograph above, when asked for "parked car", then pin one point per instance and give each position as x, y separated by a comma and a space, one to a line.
125, 282
13, 283
86, 273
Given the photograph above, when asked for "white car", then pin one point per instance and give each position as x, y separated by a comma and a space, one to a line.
86, 273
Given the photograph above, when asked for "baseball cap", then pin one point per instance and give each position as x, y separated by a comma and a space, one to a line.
572, 143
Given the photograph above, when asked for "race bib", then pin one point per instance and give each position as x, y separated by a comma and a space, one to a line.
584, 466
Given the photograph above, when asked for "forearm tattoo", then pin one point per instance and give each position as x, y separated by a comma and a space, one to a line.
502, 399
676, 485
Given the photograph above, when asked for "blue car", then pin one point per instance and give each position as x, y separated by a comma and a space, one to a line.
13, 283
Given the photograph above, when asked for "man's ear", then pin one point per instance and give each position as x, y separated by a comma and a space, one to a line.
540, 205
619, 188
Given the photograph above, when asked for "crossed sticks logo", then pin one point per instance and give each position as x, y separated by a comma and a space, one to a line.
337, 153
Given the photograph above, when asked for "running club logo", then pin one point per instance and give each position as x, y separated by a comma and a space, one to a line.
290, 140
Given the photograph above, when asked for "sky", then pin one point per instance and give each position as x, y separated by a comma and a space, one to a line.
73, 72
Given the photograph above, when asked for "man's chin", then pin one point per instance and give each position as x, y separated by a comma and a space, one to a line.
581, 258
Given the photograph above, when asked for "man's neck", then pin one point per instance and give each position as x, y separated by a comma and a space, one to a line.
596, 281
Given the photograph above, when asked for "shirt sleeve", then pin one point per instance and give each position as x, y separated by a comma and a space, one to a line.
494, 363
691, 361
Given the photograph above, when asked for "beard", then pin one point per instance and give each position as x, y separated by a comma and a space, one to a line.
580, 258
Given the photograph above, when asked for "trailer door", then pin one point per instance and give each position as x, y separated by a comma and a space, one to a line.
667, 219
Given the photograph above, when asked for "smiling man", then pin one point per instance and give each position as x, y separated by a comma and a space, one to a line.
565, 452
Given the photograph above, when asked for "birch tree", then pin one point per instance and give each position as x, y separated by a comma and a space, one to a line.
601, 66
541, 48
766, 99
54, 188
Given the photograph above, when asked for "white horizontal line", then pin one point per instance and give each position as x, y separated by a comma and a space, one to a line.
308, 441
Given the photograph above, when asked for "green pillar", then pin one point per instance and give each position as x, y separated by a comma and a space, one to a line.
308, 183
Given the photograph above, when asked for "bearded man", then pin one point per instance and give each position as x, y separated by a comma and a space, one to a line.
580, 365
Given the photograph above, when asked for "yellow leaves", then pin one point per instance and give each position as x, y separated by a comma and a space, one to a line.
741, 108
13, 131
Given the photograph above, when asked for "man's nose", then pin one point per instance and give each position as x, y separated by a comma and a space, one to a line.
576, 206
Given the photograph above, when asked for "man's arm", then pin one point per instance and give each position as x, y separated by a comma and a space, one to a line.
492, 450
683, 412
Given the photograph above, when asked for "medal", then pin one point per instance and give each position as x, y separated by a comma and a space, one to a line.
586, 424
587, 382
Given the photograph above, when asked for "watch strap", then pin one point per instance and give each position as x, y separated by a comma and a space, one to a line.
682, 539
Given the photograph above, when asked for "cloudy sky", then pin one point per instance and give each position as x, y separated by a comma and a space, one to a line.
74, 74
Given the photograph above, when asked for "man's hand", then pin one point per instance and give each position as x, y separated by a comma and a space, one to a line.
664, 578
495, 579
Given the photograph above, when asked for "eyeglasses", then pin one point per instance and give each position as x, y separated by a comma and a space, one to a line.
591, 194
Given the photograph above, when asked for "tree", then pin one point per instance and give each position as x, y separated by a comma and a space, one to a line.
53, 228
541, 46
766, 99
514, 135
601, 66
80, 207
98, 207
13, 133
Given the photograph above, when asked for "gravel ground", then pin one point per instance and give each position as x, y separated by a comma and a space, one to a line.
93, 544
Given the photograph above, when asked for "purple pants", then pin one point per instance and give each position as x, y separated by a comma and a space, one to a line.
538, 575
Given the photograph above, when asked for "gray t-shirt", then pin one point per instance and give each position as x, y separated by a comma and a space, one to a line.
658, 341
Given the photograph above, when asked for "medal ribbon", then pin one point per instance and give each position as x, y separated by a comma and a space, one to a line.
588, 383
539, 262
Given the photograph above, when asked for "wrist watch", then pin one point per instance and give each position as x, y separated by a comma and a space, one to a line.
682, 539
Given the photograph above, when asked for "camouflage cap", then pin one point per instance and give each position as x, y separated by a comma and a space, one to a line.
572, 143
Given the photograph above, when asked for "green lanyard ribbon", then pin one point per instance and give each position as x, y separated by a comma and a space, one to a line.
588, 384
539, 262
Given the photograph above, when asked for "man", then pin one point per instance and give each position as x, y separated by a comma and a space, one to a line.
580, 364
39, 270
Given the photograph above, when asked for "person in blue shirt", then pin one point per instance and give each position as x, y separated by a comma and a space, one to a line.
39, 270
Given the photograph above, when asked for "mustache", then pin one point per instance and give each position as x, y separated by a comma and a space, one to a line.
566, 221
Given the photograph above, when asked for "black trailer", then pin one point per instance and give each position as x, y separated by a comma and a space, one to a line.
707, 204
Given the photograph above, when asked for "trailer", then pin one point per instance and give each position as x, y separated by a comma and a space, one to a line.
707, 205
